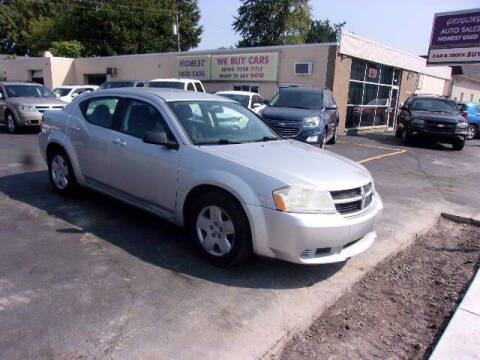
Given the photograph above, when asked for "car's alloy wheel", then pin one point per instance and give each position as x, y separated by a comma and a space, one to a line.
215, 230
61, 173
323, 145
11, 124
471, 132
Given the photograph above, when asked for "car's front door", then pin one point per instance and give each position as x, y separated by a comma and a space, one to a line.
145, 172
91, 129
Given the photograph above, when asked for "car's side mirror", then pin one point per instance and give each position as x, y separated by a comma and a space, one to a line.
256, 105
74, 95
331, 107
404, 108
159, 138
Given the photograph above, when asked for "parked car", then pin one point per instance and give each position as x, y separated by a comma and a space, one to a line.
304, 114
182, 84
433, 117
114, 84
22, 104
69, 92
250, 100
238, 190
471, 112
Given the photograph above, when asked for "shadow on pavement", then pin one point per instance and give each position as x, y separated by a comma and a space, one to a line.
151, 239
390, 139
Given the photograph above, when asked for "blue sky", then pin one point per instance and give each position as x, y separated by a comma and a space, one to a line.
404, 24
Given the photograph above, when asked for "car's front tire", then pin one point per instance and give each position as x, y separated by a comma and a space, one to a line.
471, 132
60, 172
406, 136
219, 229
323, 144
333, 140
458, 144
12, 125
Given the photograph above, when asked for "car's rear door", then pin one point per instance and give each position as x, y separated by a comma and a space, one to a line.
91, 129
144, 172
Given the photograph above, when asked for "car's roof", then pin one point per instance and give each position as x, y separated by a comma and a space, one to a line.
233, 92
116, 81
19, 83
174, 80
166, 94
431, 96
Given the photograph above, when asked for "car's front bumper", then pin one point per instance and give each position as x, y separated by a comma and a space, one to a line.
440, 135
28, 118
313, 238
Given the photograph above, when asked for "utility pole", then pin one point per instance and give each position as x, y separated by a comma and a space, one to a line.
178, 33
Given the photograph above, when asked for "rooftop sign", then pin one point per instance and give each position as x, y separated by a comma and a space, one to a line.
455, 38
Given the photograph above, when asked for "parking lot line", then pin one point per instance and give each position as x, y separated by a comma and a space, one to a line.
395, 151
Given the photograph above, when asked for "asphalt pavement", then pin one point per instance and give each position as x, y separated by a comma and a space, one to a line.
91, 277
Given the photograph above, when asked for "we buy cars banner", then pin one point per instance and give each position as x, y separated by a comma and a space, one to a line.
455, 38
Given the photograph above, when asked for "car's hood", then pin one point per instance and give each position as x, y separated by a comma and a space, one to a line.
35, 101
289, 114
295, 163
436, 116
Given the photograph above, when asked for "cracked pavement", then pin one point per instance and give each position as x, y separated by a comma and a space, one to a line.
92, 278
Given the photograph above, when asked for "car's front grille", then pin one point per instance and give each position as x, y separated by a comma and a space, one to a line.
351, 201
439, 126
286, 131
43, 108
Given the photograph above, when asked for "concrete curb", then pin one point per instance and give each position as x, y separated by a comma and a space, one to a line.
461, 219
460, 339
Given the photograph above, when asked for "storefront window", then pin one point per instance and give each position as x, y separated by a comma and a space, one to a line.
246, 87
370, 104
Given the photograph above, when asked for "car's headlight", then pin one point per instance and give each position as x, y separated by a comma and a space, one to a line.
303, 200
418, 122
27, 108
462, 125
311, 122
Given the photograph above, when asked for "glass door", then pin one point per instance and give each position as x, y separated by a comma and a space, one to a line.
392, 109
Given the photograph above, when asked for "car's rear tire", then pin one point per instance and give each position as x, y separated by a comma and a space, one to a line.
471, 132
458, 144
219, 229
12, 125
60, 172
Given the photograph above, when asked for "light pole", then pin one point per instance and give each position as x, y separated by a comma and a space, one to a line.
178, 33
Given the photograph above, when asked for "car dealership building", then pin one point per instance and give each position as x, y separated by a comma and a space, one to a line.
369, 80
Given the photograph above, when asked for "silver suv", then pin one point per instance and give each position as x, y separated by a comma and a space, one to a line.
208, 163
23, 104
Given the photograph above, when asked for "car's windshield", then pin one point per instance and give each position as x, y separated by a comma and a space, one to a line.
242, 99
166, 84
28, 91
61, 91
439, 105
298, 99
117, 84
220, 122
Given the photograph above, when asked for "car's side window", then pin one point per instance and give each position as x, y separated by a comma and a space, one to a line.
198, 86
100, 111
258, 100
140, 117
408, 103
190, 87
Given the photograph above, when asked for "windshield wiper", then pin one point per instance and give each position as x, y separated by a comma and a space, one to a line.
265, 138
217, 142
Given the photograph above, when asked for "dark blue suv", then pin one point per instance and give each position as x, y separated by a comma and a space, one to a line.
304, 114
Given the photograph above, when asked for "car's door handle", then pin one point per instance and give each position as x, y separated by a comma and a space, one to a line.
119, 142
74, 127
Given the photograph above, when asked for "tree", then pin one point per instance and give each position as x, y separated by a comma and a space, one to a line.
17, 18
322, 31
112, 27
272, 22
71, 49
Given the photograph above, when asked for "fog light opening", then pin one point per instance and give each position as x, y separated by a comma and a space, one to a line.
312, 139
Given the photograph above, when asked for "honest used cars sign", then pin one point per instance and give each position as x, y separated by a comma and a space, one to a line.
194, 67
245, 67
455, 38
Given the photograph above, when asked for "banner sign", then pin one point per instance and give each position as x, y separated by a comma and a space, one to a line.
194, 67
455, 38
245, 67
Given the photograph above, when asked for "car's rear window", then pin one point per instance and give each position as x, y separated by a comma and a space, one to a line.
166, 84
117, 84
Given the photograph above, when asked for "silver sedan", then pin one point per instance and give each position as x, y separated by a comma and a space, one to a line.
207, 163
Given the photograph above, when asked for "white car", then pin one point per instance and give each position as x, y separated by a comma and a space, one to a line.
69, 92
182, 84
250, 100
237, 186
